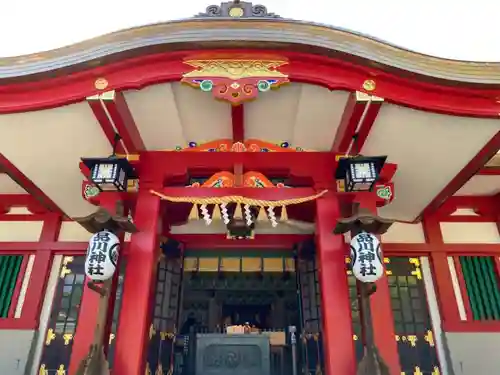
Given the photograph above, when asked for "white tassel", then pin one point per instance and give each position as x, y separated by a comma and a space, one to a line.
205, 214
225, 214
272, 217
248, 215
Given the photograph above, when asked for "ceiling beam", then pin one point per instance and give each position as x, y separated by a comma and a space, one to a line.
475, 165
8, 201
360, 113
238, 122
482, 205
15, 174
174, 163
112, 112
219, 241
492, 167
494, 162
489, 171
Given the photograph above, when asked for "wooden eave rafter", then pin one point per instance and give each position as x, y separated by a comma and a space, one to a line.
18, 177
360, 113
111, 110
485, 156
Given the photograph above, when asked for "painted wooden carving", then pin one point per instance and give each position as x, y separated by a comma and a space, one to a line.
249, 145
235, 81
227, 179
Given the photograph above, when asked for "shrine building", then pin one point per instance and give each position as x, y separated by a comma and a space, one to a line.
241, 144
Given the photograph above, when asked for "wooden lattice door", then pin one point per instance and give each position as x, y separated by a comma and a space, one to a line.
412, 322
310, 308
162, 334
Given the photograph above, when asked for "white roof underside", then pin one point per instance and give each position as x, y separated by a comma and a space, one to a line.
481, 185
172, 114
430, 149
9, 186
46, 146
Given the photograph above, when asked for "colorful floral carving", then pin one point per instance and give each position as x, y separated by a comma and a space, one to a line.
235, 81
250, 145
227, 179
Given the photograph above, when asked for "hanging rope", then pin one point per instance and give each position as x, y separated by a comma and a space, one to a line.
239, 199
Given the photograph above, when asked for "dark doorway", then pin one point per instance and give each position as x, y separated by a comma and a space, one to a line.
267, 301
255, 315
203, 295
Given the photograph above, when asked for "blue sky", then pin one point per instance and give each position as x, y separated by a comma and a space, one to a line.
457, 29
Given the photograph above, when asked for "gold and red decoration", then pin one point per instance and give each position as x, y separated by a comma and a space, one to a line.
101, 83
227, 179
227, 145
235, 81
250, 145
369, 85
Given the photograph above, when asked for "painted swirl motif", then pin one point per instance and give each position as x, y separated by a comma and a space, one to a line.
213, 11
221, 89
261, 11
249, 89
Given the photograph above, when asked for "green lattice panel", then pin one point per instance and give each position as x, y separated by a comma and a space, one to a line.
482, 287
9, 272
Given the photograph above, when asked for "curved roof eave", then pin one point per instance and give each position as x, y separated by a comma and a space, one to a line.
224, 30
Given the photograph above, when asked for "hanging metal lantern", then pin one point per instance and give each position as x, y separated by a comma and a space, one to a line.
111, 173
102, 256
360, 173
366, 258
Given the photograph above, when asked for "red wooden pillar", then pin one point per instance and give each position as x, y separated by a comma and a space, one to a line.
448, 307
84, 333
383, 326
140, 275
89, 306
338, 345
40, 272
381, 310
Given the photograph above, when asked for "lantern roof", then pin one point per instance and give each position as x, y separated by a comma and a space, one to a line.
104, 220
313, 87
363, 220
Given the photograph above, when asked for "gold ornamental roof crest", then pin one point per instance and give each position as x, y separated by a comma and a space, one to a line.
236, 68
